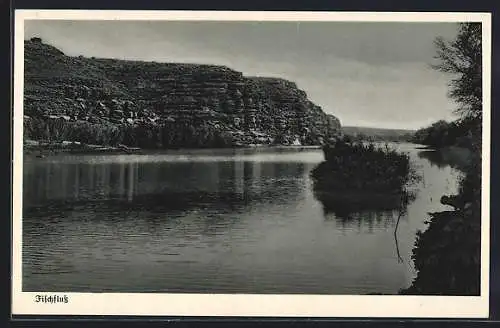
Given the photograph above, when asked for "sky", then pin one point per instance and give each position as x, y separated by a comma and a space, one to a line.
374, 74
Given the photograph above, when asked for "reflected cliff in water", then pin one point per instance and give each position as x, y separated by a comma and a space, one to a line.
159, 188
214, 221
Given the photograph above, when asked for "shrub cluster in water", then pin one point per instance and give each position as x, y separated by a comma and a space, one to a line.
362, 167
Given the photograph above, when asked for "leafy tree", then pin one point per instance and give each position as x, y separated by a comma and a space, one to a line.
447, 254
462, 58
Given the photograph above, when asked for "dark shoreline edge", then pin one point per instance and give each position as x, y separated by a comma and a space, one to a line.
44, 151
451, 243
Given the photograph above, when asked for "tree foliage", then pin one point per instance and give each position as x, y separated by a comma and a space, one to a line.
462, 58
443, 134
447, 255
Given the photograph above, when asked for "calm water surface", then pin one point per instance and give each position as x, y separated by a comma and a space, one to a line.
218, 221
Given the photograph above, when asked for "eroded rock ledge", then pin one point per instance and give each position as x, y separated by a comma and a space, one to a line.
254, 110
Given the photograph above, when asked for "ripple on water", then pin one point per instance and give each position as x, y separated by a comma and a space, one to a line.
229, 222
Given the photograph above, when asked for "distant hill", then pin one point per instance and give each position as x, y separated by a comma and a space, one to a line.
378, 134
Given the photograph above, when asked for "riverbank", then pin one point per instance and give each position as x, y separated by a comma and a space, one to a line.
43, 149
447, 255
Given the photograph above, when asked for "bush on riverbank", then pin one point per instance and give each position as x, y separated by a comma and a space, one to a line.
447, 256
357, 176
362, 167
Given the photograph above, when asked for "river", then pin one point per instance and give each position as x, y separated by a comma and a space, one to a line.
213, 221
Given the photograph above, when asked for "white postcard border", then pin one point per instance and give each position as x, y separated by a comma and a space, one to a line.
151, 304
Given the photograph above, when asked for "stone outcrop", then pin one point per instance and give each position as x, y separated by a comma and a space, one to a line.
257, 110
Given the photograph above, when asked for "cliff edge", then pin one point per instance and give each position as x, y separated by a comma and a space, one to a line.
173, 105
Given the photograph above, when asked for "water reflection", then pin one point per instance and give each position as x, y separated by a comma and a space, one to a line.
232, 222
366, 221
347, 207
193, 198
347, 203
449, 157
161, 187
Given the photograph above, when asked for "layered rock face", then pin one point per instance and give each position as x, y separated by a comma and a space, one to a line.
254, 110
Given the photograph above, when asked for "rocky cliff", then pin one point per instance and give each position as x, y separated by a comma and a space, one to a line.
252, 110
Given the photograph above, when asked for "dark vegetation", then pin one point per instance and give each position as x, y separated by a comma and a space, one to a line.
356, 166
447, 255
145, 135
441, 134
357, 176
162, 105
377, 134
153, 105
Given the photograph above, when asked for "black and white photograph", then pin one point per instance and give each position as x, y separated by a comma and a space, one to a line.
211, 156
